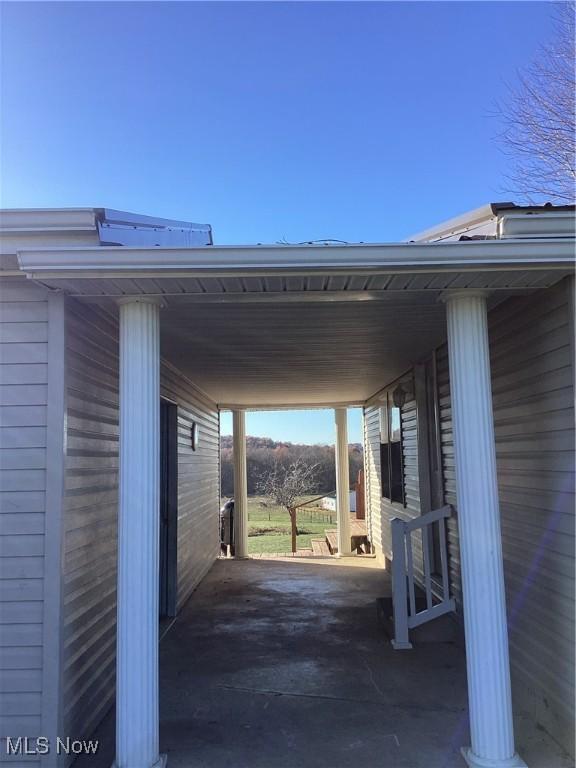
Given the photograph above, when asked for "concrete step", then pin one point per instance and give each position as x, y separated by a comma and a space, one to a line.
320, 547
444, 629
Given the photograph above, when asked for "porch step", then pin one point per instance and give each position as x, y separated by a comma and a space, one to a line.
332, 541
443, 629
320, 547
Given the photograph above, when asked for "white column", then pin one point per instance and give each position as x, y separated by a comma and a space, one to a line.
138, 530
240, 485
342, 482
489, 697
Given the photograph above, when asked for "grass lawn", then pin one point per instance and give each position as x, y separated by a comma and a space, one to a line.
269, 526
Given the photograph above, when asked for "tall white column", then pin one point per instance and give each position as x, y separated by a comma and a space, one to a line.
487, 661
240, 485
138, 532
342, 482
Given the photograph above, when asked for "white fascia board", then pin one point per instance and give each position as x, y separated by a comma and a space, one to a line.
306, 406
235, 260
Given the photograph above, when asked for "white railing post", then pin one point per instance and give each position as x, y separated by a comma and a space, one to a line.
444, 560
406, 615
399, 592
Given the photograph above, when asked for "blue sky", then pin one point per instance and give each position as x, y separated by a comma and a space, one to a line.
356, 121
316, 426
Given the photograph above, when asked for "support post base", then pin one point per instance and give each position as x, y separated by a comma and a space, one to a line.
401, 646
474, 761
345, 554
160, 763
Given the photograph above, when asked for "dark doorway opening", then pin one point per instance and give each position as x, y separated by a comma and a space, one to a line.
168, 508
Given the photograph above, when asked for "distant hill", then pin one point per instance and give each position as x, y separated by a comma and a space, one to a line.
267, 442
263, 452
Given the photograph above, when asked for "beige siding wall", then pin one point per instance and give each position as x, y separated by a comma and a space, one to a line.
198, 482
90, 538
531, 349
374, 516
23, 418
448, 472
90, 518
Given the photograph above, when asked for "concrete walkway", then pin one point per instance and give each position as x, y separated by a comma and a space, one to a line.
281, 664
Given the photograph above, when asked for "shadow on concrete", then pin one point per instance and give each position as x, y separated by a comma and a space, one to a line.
282, 664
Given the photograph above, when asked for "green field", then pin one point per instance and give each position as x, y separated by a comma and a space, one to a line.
269, 526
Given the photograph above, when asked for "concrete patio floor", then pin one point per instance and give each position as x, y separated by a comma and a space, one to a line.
281, 664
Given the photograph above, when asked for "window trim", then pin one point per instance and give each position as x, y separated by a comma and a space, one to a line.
386, 408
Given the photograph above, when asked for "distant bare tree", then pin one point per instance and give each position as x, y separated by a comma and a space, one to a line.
286, 485
540, 119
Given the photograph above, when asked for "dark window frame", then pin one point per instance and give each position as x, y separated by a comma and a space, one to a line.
392, 456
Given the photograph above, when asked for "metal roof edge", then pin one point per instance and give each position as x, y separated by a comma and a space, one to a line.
459, 223
83, 218
138, 219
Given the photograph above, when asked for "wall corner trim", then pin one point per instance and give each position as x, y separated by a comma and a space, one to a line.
53, 533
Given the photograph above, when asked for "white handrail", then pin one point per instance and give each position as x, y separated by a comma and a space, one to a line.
406, 616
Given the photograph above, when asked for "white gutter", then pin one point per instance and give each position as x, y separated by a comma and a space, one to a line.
41, 220
117, 261
554, 224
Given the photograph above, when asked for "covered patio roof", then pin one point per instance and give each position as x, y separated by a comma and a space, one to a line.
302, 326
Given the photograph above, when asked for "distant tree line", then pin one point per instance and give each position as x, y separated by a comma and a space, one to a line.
263, 453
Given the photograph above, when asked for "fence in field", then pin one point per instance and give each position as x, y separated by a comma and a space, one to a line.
311, 514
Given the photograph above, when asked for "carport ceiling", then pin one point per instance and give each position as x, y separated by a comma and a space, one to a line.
280, 354
279, 326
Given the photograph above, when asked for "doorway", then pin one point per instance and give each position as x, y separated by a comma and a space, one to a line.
168, 508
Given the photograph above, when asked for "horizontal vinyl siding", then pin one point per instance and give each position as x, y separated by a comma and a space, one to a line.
23, 408
373, 477
90, 519
448, 474
90, 547
531, 362
198, 482
411, 481
381, 511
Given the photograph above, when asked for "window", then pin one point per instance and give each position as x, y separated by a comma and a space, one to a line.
391, 451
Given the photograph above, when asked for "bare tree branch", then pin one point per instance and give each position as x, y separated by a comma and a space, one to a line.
286, 485
539, 119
